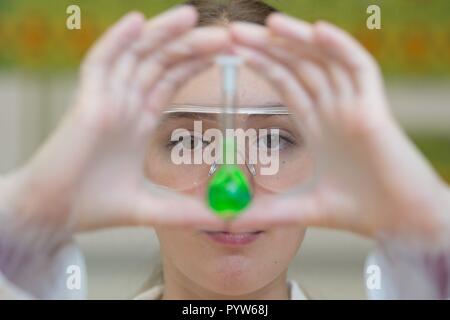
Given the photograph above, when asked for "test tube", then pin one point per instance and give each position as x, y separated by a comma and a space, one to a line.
229, 65
229, 191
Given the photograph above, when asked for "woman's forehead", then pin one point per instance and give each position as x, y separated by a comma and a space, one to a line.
205, 89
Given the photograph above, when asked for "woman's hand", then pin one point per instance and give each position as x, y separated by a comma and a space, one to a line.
9, 291
372, 180
90, 173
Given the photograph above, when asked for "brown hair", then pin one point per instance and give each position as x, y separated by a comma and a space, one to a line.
218, 12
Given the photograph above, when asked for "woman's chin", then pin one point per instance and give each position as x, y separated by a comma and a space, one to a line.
235, 276
235, 288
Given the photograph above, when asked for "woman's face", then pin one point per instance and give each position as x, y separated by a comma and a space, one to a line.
207, 259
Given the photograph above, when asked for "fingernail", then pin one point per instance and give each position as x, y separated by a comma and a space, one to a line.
185, 7
133, 22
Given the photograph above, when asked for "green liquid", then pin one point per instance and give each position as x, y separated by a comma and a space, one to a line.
229, 191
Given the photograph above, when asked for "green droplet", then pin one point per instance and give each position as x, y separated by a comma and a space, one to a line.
229, 191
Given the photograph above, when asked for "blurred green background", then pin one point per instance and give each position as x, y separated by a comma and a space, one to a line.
39, 58
414, 39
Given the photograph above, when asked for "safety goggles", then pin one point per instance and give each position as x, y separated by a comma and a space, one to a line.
185, 150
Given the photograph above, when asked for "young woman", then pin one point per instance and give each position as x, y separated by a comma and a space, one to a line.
94, 170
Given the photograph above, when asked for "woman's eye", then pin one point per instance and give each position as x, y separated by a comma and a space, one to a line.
189, 142
274, 142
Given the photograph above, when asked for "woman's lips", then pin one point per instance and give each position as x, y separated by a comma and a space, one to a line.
235, 239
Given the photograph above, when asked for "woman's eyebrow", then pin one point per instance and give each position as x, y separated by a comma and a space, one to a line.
266, 108
266, 115
189, 115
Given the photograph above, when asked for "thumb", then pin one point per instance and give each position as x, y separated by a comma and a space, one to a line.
171, 209
316, 208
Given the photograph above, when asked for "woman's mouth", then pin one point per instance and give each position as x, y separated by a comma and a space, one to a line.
233, 239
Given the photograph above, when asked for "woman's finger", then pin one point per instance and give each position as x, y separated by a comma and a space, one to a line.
150, 210
318, 208
155, 33
299, 31
269, 212
343, 46
163, 92
164, 28
351, 53
198, 42
111, 45
344, 90
309, 70
283, 80
305, 35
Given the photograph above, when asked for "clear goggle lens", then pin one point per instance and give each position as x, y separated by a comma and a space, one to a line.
185, 150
